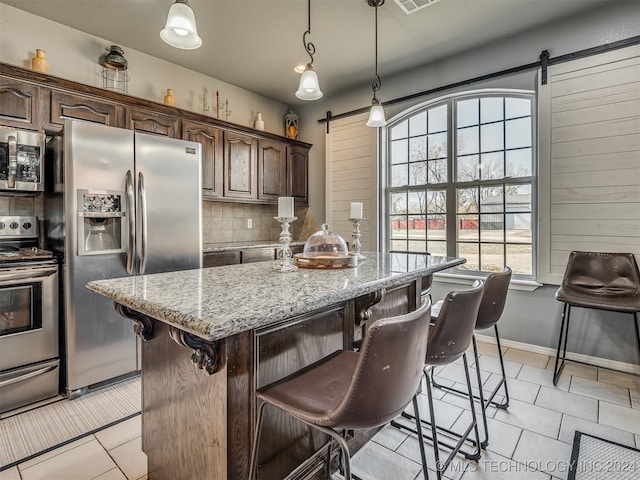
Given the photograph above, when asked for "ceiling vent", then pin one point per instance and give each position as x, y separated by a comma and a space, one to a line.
411, 6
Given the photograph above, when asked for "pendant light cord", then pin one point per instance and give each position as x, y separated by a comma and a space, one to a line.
377, 84
308, 46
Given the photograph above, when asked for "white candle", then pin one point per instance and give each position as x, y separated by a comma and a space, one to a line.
356, 210
285, 207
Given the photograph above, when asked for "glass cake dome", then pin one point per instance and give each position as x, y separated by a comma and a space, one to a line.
325, 243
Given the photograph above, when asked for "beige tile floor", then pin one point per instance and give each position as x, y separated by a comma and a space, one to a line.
531, 440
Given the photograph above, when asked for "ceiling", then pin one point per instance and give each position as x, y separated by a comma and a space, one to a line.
254, 44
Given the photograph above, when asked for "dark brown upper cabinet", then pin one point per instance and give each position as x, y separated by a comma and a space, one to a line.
298, 174
80, 107
240, 166
152, 122
20, 104
211, 140
272, 170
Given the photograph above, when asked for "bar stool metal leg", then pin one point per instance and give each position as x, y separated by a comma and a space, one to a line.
564, 331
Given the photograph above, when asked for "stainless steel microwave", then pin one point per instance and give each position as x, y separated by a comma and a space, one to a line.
21, 160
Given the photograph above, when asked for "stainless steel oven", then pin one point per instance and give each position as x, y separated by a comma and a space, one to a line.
29, 339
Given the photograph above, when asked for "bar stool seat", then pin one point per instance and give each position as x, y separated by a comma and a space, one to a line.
601, 281
355, 390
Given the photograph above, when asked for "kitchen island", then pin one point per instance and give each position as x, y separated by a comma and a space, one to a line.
215, 335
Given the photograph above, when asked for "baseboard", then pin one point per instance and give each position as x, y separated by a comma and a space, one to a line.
597, 361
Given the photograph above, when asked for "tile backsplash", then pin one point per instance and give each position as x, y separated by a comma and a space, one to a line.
227, 222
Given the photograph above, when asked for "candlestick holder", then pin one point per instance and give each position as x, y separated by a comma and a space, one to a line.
285, 240
356, 245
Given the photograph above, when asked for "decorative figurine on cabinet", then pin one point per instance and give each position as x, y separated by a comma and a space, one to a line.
291, 124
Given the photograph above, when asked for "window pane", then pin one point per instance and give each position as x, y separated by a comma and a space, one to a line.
438, 119
470, 251
491, 227
437, 227
438, 145
467, 200
417, 149
492, 256
399, 151
400, 130
436, 201
518, 198
418, 124
518, 133
467, 113
398, 226
399, 175
468, 140
518, 226
416, 202
417, 227
467, 226
437, 171
437, 248
417, 246
398, 203
491, 199
520, 259
491, 109
418, 173
492, 166
519, 163
517, 107
491, 137
399, 245
468, 168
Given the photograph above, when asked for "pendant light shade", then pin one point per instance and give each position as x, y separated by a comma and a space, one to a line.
376, 115
180, 30
309, 88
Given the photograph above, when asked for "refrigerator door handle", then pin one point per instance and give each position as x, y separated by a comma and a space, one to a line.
132, 220
143, 223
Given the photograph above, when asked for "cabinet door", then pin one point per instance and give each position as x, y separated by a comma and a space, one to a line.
152, 122
21, 104
298, 174
239, 166
68, 105
211, 140
272, 168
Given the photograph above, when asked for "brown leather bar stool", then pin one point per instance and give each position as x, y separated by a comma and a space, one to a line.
496, 287
449, 338
356, 390
602, 281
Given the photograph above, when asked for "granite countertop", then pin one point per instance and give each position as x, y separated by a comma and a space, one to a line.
215, 303
229, 246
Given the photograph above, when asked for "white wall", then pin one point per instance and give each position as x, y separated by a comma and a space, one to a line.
74, 55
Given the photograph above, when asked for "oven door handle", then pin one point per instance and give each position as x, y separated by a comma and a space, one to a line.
41, 272
27, 376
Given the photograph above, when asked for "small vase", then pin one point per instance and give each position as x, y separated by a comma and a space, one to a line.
259, 125
169, 99
39, 63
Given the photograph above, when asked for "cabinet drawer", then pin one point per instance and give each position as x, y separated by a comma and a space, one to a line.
220, 259
258, 255
67, 105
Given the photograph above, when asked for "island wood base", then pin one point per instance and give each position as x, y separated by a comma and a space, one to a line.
199, 425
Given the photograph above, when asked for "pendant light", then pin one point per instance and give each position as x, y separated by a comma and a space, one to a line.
180, 30
376, 114
309, 88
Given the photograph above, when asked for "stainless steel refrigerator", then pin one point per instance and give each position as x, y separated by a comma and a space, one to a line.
118, 203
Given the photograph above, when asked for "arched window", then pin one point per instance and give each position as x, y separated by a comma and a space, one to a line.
460, 180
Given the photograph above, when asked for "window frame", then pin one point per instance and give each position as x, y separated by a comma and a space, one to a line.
451, 186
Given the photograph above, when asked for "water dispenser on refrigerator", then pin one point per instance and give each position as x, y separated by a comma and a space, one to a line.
101, 226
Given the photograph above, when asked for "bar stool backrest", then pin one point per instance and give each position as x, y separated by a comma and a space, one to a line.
389, 370
451, 333
496, 287
602, 274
